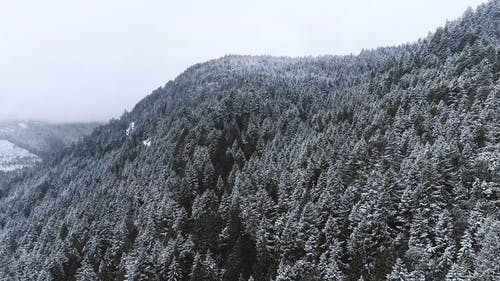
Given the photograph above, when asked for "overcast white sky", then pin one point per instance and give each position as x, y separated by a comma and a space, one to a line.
83, 60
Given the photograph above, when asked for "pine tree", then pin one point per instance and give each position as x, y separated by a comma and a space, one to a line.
444, 247
86, 273
197, 269
265, 245
212, 272
457, 273
286, 272
329, 263
399, 272
174, 271
487, 262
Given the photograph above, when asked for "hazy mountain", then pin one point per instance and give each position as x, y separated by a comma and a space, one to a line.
42, 137
379, 166
13, 157
23, 144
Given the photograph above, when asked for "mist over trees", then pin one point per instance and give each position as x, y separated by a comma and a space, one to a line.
44, 138
381, 166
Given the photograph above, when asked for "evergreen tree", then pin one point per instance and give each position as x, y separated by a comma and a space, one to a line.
399, 272
457, 273
197, 270
329, 263
174, 271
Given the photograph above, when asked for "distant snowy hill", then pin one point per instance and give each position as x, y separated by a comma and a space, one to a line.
13, 157
23, 144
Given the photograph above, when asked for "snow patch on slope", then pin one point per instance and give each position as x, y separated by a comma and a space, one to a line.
13, 157
146, 142
130, 129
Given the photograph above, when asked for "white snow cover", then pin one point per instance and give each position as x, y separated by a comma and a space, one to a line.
130, 128
147, 142
13, 157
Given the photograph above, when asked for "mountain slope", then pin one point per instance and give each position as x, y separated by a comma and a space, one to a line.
383, 165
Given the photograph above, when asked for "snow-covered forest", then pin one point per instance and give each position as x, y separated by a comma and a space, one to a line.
380, 166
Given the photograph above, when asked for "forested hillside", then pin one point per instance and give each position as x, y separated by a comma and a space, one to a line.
380, 166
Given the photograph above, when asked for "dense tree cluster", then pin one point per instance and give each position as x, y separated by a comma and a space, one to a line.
381, 166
